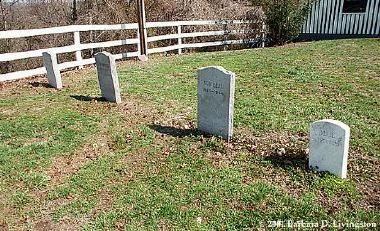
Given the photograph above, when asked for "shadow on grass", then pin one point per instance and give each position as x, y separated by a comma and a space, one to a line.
88, 98
39, 84
293, 158
175, 132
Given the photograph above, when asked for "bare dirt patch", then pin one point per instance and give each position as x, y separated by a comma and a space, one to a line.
363, 170
3, 225
63, 167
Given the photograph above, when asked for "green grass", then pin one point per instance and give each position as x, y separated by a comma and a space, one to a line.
72, 163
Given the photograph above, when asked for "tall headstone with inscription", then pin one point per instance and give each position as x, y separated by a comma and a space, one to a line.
52, 69
328, 151
107, 76
216, 89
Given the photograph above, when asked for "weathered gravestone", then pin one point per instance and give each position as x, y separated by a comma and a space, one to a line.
328, 151
216, 89
52, 69
107, 76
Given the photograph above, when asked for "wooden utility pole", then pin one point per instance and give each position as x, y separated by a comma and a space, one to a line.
142, 33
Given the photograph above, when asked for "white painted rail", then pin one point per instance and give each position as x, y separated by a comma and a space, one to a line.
77, 47
64, 29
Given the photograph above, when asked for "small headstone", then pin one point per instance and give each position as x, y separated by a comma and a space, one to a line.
107, 76
216, 89
329, 142
52, 69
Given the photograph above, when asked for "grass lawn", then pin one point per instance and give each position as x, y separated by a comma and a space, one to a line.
69, 161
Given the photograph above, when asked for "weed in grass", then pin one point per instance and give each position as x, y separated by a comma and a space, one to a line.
35, 180
76, 208
332, 186
21, 198
215, 144
61, 192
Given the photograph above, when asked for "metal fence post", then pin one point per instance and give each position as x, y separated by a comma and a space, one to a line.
225, 26
78, 52
263, 37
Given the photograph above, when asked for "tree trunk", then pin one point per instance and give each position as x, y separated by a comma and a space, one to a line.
74, 14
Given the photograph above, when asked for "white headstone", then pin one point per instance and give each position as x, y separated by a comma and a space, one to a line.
216, 89
328, 151
52, 69
107, 76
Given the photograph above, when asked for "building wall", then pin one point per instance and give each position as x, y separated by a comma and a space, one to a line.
326, 20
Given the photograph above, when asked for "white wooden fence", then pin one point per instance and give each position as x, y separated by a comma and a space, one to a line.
77, 47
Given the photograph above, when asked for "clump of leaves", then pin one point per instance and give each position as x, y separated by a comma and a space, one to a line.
284, 18
215, 144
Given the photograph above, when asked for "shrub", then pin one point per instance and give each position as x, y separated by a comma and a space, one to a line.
284, 18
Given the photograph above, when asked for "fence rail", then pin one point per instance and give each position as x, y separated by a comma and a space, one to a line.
77, 47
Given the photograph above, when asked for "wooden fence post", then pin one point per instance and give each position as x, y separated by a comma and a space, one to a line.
143, 36
138, 43
78, 52
179, 39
